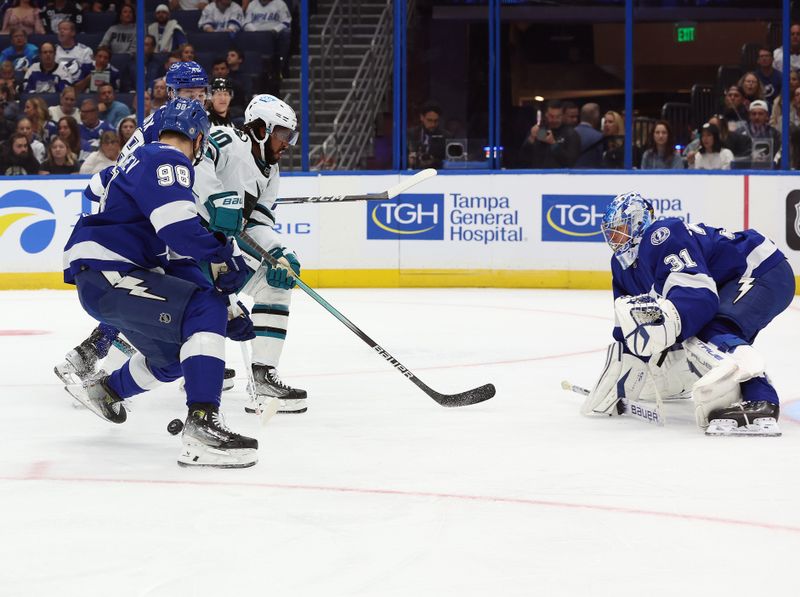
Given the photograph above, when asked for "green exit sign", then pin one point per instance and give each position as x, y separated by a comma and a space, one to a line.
685, 32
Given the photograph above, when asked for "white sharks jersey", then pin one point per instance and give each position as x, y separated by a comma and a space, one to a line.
230, 151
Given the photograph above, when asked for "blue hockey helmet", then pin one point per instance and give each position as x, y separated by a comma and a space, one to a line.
188, 117
624, 223
185, 75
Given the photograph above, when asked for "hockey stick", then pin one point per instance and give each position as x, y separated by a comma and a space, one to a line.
473, 396
659, 401
272, 406
635, 409
390, 193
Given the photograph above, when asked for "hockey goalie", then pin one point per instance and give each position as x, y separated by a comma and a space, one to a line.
689, 300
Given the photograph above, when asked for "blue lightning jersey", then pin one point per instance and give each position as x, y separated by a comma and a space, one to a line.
147, 217
689, 263
147, 133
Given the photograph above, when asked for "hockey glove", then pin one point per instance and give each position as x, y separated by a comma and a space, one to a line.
228, 268
283, 276
649, 325
622, 379
225, 213
240, 326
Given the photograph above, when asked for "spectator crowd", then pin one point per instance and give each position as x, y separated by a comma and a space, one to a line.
68, 72
744, 133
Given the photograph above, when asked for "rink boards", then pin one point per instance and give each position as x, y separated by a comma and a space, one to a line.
501, 229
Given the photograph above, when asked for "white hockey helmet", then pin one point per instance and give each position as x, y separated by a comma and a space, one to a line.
273, 113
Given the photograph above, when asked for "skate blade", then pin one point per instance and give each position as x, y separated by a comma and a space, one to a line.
765, 427
292, 407
78, 393
66, 375
194, 454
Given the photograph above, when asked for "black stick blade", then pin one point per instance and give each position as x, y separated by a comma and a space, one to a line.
467, 398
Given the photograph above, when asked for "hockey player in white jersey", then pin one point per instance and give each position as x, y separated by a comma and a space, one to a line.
247, 162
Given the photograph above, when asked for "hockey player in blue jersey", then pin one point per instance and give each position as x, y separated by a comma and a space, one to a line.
690, 300
186, 80
136, 267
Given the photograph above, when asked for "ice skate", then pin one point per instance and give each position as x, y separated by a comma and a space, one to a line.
745, 418
208, 442
80, 363
97, 396
228, 380
269, 385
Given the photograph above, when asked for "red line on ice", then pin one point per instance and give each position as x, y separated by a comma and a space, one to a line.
24, 332
431, 494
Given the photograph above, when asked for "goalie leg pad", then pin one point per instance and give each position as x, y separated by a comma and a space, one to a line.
719, 385
623, 378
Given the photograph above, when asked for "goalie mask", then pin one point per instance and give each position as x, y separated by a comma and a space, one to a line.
266, 116
623, 226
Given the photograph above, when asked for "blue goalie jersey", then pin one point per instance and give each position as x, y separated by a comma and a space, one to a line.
689, 263
147, 217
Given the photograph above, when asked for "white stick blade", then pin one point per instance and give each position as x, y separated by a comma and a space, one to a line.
268, 410
411, 182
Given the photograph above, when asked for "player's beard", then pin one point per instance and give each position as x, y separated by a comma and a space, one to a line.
271, 155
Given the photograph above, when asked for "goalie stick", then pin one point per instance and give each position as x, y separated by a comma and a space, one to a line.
474, 396
638, 410
390, 193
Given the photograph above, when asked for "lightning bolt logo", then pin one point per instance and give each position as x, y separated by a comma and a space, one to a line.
131, 284
745, 284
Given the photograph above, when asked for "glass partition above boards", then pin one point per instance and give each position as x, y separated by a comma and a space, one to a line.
562, 84
707, 85
447, 87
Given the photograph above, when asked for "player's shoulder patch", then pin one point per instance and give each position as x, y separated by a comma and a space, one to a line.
659, 235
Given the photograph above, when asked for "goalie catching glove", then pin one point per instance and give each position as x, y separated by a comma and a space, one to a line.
649, 325
283, 276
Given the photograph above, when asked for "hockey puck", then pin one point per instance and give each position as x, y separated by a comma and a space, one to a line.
175, 426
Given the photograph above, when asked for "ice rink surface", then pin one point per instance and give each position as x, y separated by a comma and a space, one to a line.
379, 491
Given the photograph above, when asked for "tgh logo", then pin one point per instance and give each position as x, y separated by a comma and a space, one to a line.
412, 217
573, 218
